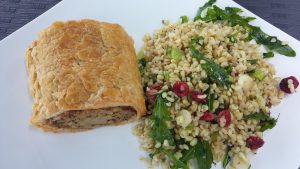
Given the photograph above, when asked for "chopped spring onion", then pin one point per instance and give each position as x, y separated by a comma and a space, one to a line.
232, 38
253, 61
141, 54
268, 55
184, 19
175, 53
257, 74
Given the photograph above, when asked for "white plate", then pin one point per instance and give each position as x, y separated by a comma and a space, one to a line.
22, 146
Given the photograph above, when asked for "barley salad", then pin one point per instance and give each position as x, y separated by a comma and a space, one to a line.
209, 90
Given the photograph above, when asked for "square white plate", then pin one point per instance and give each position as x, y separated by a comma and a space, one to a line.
22, 146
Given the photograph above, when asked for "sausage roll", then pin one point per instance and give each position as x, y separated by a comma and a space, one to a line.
83, 74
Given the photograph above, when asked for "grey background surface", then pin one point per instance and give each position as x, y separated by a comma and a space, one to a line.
284, 14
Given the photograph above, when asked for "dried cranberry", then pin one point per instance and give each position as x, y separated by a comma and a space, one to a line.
198, 97
208, 116
285, 86
224, 114
155, 87
254, 142
152, 92
181, 88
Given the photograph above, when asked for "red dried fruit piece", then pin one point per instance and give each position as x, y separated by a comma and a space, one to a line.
254, 142
198, 97
152, 92
181, 88
224, 114
208, 116
285, 85
155, 87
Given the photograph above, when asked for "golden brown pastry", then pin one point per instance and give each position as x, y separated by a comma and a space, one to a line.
83, 74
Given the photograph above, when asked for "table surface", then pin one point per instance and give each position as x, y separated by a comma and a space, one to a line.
283, 14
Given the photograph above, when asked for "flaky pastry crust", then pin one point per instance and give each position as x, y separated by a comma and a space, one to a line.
82, 65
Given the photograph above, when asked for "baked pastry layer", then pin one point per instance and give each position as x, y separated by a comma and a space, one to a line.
78, 66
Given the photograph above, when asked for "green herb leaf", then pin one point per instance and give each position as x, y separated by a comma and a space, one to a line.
231, 15
226, 159
249, 166
256, 116
211, 15
175, 53
266, 122
159, 129
201, 9
232, 38
188, 154
233, 10
197, 41
142, 62
184, 19
257, 74
203, 154
180, 141
228, 69
211, 98
177, 163
196, 53
271, 42
215, 72
268, 55
252, 61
